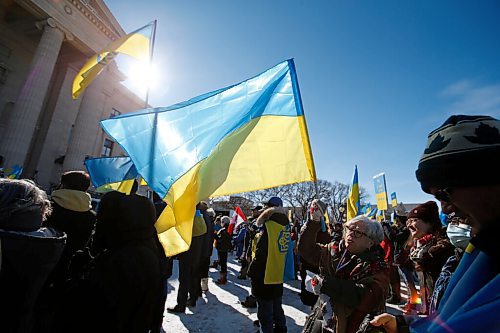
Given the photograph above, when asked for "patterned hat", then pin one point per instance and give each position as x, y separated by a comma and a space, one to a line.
427, 212
464, 151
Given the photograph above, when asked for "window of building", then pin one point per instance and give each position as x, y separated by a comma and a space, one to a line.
114, 113
107, 148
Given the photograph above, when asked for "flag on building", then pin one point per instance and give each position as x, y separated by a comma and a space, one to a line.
111, 173
237, 218
380, 191
394, 200
245, 137
353, 204
137, 44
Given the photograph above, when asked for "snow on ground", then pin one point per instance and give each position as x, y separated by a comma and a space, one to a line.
220, 310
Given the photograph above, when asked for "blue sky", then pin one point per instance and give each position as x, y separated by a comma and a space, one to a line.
375, 76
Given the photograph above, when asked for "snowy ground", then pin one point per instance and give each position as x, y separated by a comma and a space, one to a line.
220, 310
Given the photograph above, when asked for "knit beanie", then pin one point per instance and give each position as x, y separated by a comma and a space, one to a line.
427, 212
464, 151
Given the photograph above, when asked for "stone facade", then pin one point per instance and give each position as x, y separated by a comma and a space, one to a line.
42, 46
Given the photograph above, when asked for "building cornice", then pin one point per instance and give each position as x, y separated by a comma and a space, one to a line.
93, 16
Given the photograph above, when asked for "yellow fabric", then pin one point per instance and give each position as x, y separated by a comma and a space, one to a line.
199, 226
74, 200
134, 45
123, 187
277, 247
255, 240
266, 152
352, 200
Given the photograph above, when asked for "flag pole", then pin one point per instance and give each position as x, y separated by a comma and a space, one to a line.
150, 63
155, 121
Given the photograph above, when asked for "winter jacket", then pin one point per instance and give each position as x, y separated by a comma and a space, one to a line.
258, 265
223, 240
27, 258
71, 214
359, 287
122, 289
429, 254
208, 241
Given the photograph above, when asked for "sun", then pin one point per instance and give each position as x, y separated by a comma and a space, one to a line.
141, 75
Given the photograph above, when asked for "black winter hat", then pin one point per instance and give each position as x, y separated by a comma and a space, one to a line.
464, 151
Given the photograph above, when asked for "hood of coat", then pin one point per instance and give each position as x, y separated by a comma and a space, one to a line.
278, 215
31, 256
77, 201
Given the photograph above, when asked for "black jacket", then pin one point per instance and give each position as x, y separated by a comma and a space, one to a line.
78, 227
27, 258
223, 242
122, 289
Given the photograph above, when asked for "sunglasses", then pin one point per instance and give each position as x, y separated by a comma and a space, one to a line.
356, 233
443, 194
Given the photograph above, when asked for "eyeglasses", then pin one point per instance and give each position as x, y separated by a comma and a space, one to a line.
443, 194
356, 233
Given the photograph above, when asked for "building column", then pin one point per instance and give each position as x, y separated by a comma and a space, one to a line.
19, 132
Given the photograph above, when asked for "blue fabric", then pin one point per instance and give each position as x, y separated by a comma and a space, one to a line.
164, 143
289, 272
106, 170
470, 301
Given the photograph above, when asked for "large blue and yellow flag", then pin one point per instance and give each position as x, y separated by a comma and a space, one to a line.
137, 44
245, 137
380, 191
353, 204
111, 173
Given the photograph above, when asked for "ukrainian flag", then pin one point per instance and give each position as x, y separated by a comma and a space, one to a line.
111, 173
353, 204
394, 200
245, 137
137, 44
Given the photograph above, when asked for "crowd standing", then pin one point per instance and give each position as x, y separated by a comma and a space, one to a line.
66, 268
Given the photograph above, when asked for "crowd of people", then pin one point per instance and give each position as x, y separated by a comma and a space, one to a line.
66, 268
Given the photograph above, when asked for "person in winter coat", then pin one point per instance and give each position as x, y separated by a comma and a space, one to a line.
121, 289
354, 273
431, 248
189, 266
459, 166
223, 246
239, 239
72, 214
28, 252
267, 267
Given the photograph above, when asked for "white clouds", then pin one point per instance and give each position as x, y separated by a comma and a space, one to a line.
467, 97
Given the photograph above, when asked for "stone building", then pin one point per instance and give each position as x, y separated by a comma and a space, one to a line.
43, 44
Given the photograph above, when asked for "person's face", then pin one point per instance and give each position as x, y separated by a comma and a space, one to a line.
418, 227
356, 238
472, 201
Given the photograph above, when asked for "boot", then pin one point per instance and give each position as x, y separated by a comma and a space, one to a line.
177, 309
249, 302
204, 285
215, 264
222, 279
